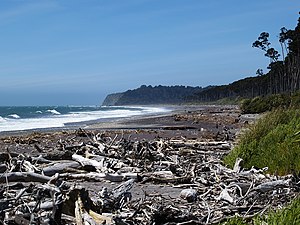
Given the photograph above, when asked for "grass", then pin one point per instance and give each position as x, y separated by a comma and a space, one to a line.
274, 141
288, 215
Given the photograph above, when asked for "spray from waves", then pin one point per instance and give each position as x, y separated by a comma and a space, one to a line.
15, 116
53, 111
66, 116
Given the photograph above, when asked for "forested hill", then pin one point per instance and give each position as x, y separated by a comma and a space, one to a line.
146, 95
245, 88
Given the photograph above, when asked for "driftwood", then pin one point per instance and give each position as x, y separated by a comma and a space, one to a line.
100, 176
24, 177
60, 167
96, 165
204, 190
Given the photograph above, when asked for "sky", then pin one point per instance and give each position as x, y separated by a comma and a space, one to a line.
75, 52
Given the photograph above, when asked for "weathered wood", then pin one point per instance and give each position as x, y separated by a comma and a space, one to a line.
23, 176
3, 168
224, 195
100, 176
60, 167
122, 188
212, 191
267, 186
237, 166
99, 166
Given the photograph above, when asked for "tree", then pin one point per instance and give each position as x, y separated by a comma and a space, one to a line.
284, 76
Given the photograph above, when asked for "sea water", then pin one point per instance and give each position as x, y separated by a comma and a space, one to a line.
15, 118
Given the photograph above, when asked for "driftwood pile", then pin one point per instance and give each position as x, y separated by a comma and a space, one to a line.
46, 188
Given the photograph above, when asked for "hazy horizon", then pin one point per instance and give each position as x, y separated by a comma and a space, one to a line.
76, 52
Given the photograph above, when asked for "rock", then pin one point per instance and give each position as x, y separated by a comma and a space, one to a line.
189, 194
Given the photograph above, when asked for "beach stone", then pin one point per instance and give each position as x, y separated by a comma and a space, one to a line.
189, 194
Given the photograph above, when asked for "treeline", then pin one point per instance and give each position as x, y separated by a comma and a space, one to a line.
283, 75
146, 95
245, 88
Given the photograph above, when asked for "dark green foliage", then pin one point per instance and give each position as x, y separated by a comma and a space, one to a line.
146, 95
245, 88
234, 221
289, 215
274, 141
262, 104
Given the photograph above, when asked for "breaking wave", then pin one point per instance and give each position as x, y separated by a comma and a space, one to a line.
15, 116
56, 119
53, 111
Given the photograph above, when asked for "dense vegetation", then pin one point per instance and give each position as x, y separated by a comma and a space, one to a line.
289, 215
145, 95
244, 88
274, 141
261, 104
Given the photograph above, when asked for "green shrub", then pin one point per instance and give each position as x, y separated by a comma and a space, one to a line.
262, 104
289, 215
273, 142
235, 221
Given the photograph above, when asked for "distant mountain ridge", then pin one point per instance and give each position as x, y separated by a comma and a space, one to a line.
146, 95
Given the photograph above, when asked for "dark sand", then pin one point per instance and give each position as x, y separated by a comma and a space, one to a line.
190, 122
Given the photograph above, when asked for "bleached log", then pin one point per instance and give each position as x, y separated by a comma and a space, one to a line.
224, 195
180, 143
114, 163
60, 167
40, 159
47, 205
23, 176
237, 165
78, 211
28, 167
267, 186
100, 219
162, 174
99, 166
100, 176
122, 188
83, 216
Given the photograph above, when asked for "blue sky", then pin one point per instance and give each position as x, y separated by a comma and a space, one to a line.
75, 52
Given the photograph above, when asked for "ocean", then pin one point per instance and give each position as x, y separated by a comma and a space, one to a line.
16, 118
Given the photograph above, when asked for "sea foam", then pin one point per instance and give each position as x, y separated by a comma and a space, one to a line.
56, 120
53, 111
15, 116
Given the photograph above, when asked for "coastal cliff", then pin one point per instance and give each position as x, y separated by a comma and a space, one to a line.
112, 99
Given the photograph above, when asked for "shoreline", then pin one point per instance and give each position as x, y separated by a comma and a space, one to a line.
191, 122
85, 124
